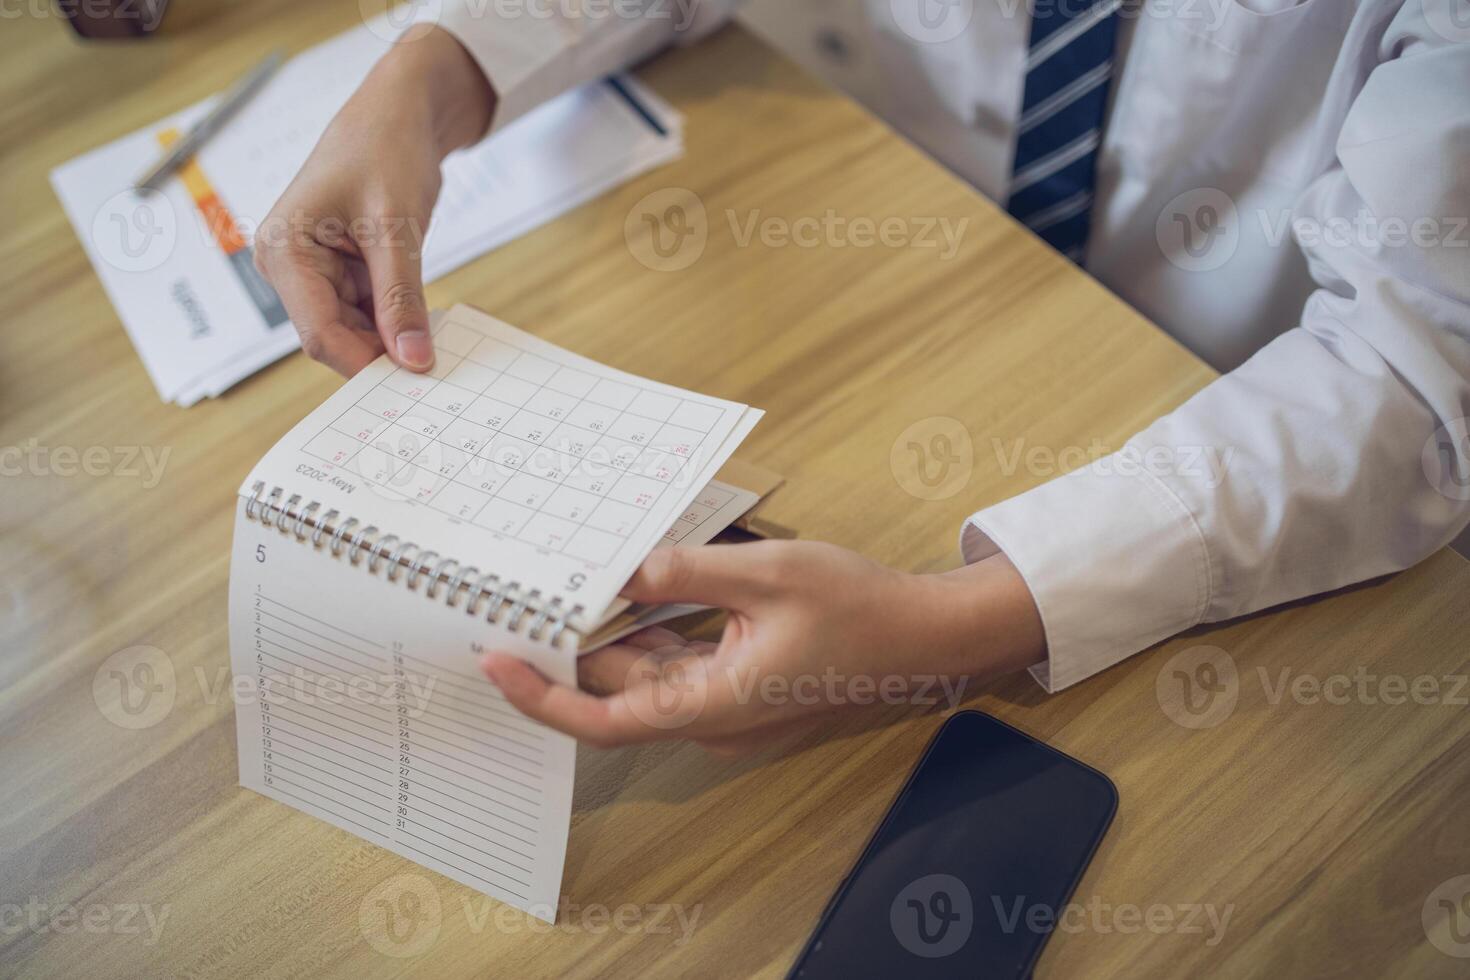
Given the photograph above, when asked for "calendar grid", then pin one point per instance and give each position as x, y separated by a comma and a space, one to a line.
506, 439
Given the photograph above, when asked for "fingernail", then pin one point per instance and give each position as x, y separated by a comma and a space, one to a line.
416, 349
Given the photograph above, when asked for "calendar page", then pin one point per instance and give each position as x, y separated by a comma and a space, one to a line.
365, 707
514, 456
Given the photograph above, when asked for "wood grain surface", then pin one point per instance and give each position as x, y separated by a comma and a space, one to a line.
1321, 829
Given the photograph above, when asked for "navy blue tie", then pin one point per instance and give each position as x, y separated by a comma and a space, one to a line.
1068, 66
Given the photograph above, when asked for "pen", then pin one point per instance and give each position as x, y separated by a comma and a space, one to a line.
201, 131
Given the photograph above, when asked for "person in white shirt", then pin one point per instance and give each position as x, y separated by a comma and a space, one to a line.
1283, 185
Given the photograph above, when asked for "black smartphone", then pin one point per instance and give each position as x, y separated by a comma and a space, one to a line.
973, 864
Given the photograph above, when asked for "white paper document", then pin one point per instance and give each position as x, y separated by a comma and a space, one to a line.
178, 264
373, 716
411, 523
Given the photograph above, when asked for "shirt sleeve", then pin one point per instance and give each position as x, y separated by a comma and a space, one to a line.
1339, 452
533, 50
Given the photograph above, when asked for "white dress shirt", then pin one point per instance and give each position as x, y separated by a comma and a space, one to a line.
1283, 186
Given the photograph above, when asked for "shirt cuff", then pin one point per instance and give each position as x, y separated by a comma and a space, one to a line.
533, 55
1114, 561
517, 54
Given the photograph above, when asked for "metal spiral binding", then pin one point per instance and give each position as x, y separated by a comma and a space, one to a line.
344, 536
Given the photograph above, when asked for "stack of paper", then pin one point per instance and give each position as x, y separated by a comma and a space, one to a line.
178, 265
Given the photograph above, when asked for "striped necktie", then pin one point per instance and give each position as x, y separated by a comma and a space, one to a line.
1068, 65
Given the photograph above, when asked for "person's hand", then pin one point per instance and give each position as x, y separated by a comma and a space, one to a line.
812, 629
342, 246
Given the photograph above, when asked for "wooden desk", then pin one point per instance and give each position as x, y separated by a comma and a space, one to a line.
1322, 828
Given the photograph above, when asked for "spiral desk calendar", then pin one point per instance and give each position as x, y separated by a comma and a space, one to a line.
414, 522
370, 547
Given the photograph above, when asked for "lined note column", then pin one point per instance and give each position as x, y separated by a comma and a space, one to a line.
469, 775
326, 715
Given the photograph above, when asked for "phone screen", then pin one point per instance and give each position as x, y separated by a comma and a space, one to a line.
973, 864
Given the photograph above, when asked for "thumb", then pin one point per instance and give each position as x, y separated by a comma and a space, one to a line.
722, 575
402, 316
